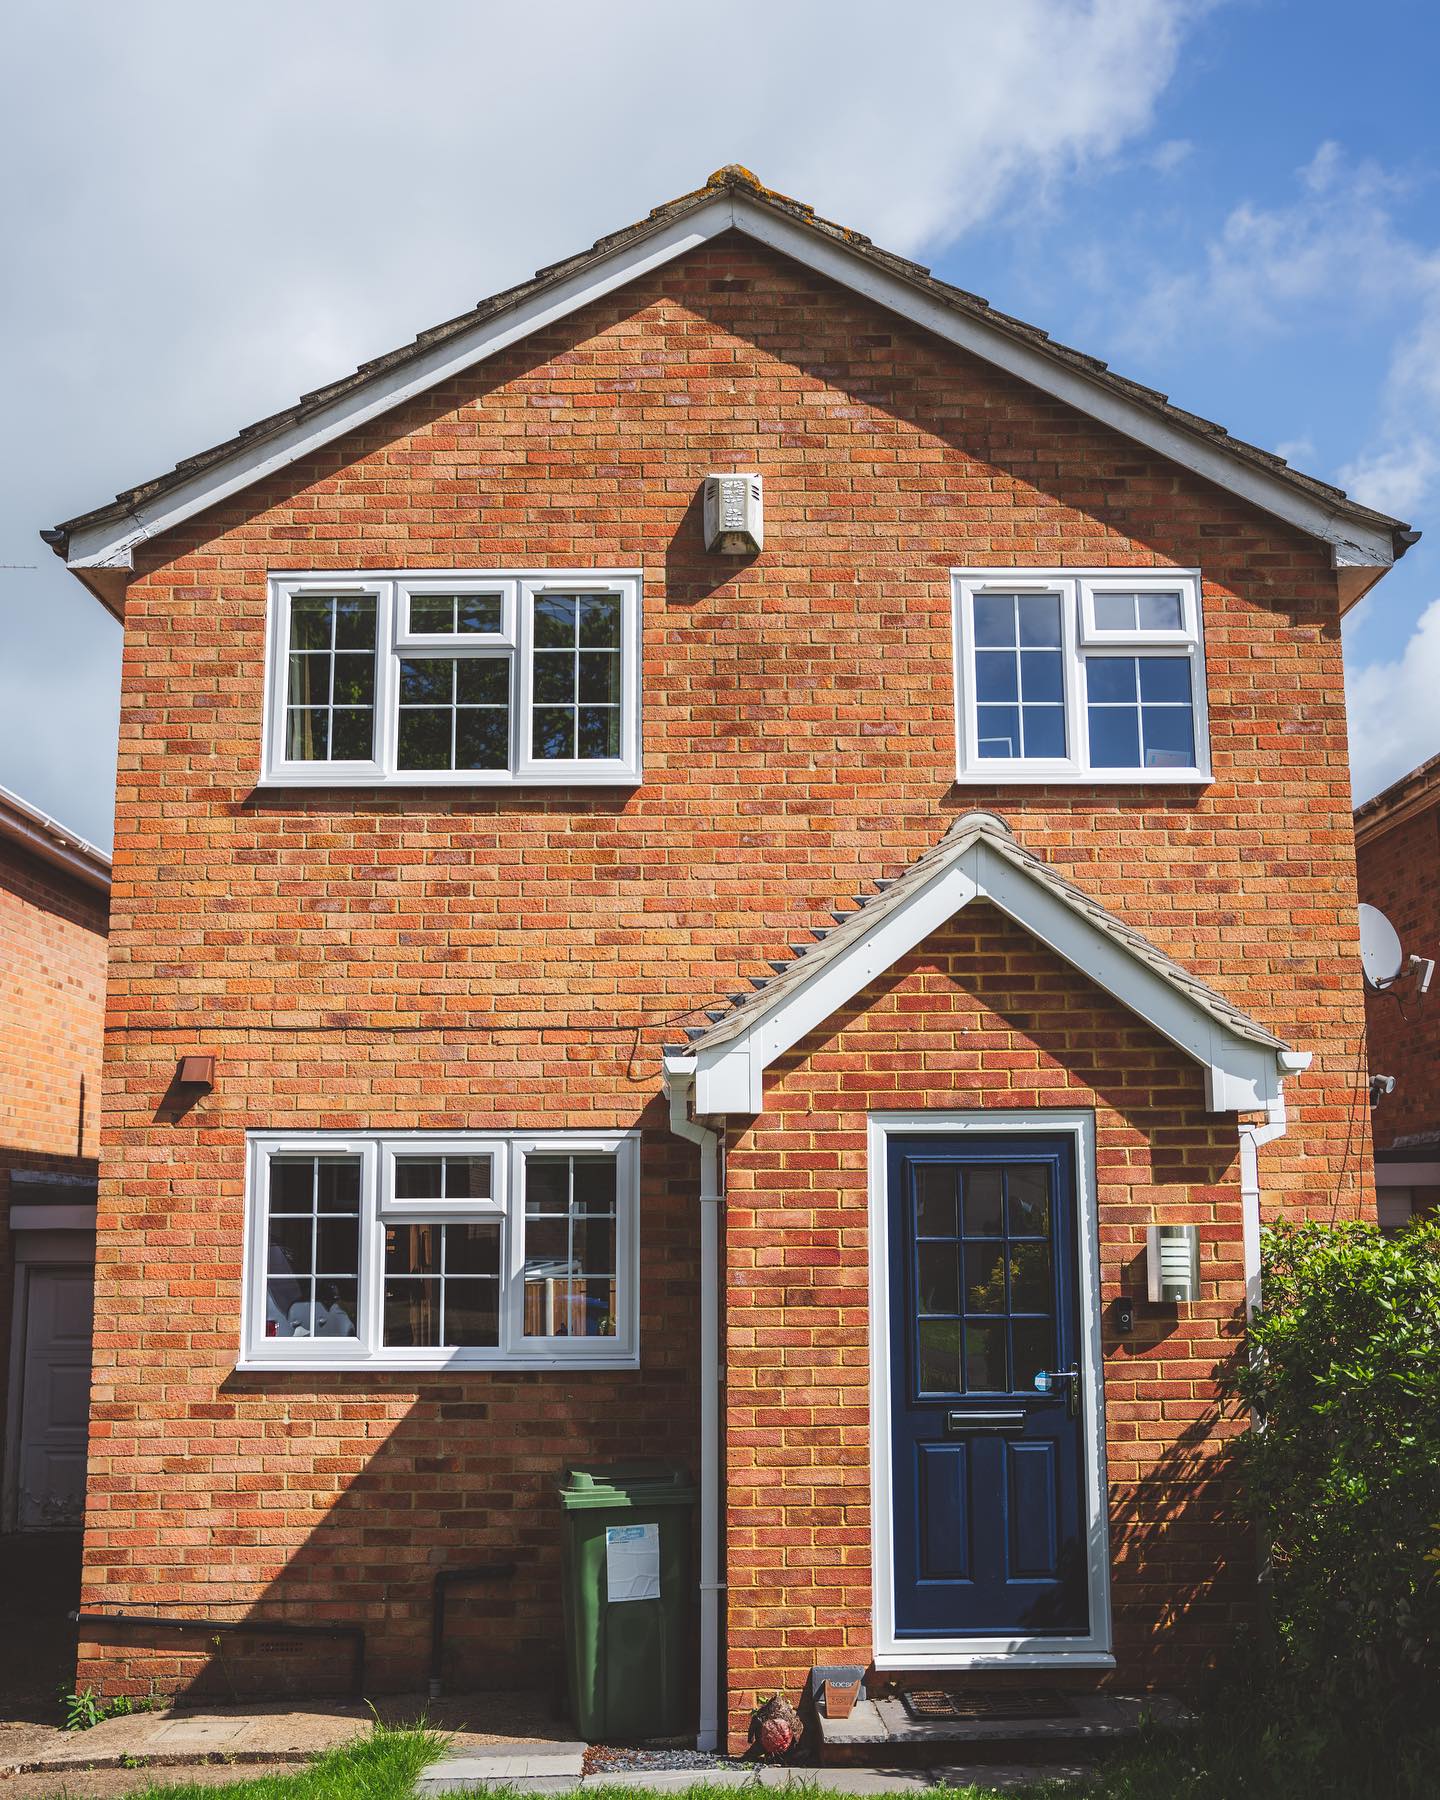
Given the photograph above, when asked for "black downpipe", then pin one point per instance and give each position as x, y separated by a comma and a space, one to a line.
256, 1628
446, 1578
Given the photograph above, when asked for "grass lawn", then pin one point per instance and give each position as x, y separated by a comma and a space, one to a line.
383, 1766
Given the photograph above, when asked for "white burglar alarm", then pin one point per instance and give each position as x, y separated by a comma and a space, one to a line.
734, 514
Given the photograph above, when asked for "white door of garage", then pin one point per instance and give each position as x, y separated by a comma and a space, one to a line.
54, 1396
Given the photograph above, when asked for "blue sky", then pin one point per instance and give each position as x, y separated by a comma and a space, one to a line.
213, 209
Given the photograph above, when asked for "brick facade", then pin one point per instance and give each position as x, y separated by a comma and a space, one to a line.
52, 998
1397, 838
455, 959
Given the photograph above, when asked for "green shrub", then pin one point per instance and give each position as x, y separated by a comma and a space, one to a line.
1343, 1472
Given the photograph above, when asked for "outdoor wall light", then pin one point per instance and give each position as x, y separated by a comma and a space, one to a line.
1172, 1264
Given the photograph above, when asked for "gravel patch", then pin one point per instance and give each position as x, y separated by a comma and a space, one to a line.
601, 1759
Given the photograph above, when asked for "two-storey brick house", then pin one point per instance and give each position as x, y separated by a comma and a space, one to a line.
502, 841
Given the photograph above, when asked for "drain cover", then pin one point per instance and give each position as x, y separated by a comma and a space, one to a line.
929, 1705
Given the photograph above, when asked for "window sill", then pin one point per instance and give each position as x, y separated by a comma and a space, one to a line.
433, 1365
624, 778
1085, 778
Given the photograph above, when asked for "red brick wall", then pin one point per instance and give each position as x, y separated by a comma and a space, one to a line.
979, 1016
798, 741
1399, 871
52, 1000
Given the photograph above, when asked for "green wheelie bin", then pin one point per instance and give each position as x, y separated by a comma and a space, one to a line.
627, 1599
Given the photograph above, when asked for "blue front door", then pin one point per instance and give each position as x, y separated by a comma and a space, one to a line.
988, 1472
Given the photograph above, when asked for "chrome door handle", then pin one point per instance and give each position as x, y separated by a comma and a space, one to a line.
1048, 1380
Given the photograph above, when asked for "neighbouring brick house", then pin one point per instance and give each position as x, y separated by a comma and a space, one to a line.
1397, 851
499, 834
54, 892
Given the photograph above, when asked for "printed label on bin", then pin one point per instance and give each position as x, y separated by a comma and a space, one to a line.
632, 1562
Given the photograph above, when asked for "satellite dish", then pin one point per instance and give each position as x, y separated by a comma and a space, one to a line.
1380, 951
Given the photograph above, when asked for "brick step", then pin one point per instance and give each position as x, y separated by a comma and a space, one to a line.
881, 1731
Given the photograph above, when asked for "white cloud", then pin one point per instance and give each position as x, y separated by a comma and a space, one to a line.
212, 208
1394, 477
1394, 722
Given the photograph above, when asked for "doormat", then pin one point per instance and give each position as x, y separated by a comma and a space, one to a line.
933, 1705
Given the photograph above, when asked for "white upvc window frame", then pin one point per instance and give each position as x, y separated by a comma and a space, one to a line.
377, 1153
1081, 642
513, 643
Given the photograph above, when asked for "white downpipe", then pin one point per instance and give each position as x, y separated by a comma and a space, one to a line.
1252, 1139
679, 1089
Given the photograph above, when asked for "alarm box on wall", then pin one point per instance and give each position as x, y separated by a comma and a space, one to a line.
734, 514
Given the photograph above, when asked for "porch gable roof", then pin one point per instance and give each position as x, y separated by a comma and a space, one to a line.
979, 858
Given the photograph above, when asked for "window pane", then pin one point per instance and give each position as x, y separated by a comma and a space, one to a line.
337, 1246
1027, 1201
307, 735
1031, 1289
289, 1309
1033, 1341
311, 622
995, 676
290, 1246
1044, 730
427, 680
1115, 737
1165, 678
982, 1202
482, 738
352, 734
472, 1249
555, 621
354, 678
292, 1186
355, 623
468, 1177
554, 676
412, 1249
483, 681
600, 622
412, 1314
1040, 619
596, 1299
547, 1184
1161, 612
419, 1177
1110, 680
994, 619
936, 1192
984, 1276
336, 1308
477, 612
1169, 737
594, 1178
1114, 612
939, 1355
452, 613
553, 737
547, 1241
1041, 675
998, 729
938, 1274
985, 1358
600, 677
337, 1181
425, 737
472, 1314
599, 737
432, 612
309, 679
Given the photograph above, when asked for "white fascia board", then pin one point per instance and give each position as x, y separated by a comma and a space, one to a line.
1240, 1076
1353, 545
107, 546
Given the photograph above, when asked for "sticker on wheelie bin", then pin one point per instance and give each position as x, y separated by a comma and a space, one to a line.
632, 1562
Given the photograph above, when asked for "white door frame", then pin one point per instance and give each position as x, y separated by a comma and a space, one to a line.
1092, 1651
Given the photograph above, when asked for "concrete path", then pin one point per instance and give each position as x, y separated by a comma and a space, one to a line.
475, 1773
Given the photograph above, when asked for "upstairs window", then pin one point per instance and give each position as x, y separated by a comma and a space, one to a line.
1071, 676
475, 680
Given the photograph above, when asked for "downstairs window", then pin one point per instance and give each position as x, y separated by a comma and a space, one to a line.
425, 1251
